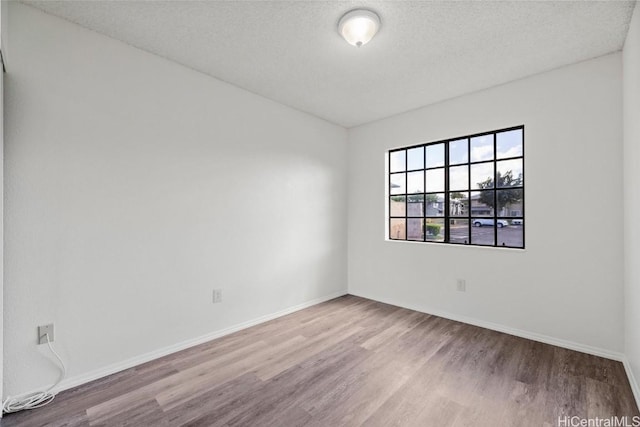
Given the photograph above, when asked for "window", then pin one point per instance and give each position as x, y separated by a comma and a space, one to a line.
467, 190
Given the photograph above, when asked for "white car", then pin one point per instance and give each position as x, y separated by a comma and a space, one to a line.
479, 222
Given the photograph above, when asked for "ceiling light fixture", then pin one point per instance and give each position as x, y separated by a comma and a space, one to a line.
358, 26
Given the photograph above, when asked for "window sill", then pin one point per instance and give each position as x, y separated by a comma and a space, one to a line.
455, 245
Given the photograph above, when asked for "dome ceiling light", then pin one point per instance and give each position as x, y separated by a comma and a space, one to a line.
358, 26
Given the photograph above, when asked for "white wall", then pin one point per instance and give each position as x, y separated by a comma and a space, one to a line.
3, 30
134, 186
631, 85
567, 284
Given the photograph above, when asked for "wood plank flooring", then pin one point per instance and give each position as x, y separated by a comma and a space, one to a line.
351, 362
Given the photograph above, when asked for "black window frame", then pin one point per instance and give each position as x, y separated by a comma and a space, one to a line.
447, 217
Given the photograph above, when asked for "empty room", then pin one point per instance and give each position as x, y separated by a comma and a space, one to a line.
320, 213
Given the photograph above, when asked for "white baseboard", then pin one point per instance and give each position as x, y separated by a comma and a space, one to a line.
501, 328
632, 380
156, 354
147, 357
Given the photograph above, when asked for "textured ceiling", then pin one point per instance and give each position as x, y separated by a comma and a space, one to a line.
426, 52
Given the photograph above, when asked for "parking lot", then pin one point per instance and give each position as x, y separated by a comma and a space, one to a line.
511, 236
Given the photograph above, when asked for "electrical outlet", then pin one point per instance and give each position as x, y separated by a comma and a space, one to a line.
461, 285
217, 296
43, 331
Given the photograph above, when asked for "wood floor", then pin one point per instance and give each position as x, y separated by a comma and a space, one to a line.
351, 362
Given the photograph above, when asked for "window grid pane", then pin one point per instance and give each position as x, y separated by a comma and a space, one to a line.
467, 190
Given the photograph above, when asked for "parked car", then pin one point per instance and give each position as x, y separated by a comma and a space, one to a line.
517, 222
479, 222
